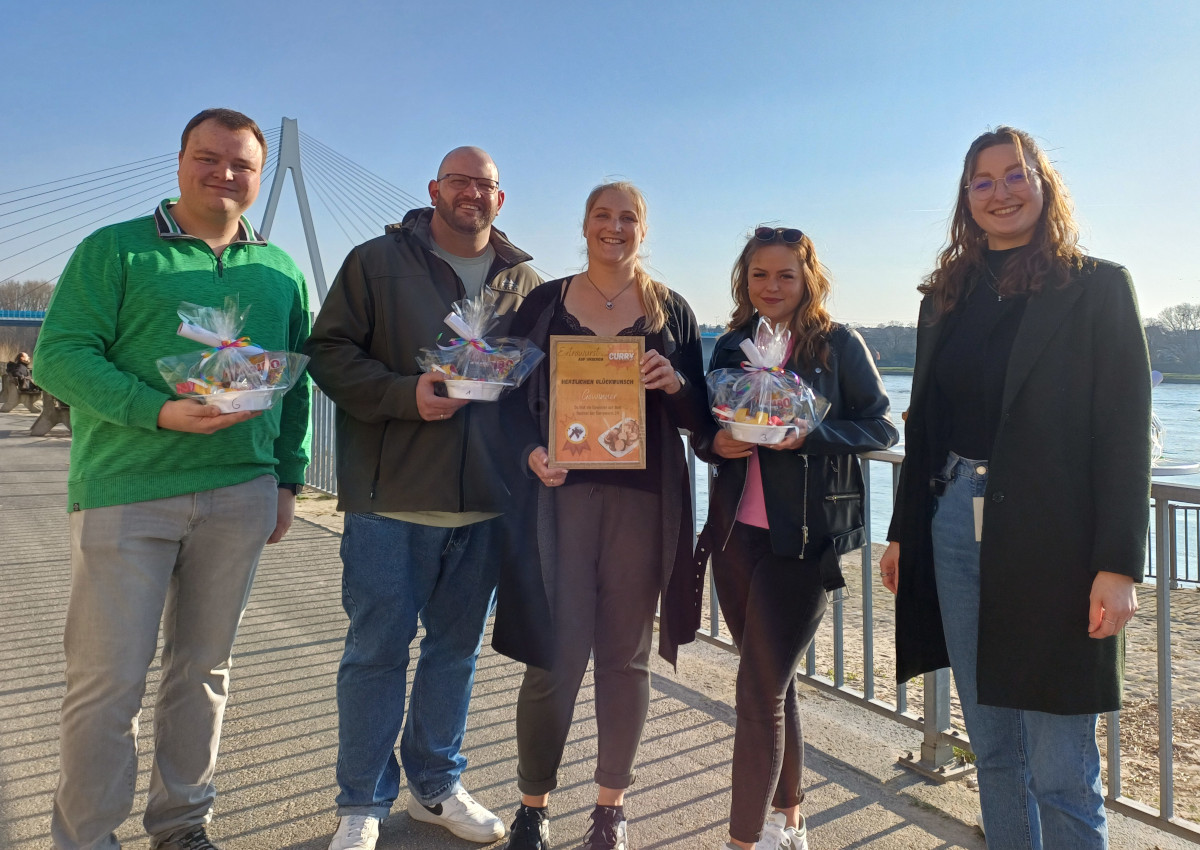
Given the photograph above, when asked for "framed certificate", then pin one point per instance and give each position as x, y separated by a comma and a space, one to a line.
597, 402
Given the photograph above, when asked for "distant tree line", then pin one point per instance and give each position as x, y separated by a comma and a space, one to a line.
1174, 339
1173, 335
21, 295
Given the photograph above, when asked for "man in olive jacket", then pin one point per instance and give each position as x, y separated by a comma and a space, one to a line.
420, 478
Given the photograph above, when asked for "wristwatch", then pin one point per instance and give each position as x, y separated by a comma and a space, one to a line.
294, 489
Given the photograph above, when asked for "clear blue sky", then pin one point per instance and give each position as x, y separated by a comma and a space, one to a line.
846, 119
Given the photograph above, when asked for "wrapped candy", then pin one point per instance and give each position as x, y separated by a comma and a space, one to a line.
762, 402
231, 374
475, 367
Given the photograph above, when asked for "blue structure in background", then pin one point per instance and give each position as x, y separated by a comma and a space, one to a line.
26, 318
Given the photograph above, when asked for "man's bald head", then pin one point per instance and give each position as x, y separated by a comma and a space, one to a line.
466, 197
468, 155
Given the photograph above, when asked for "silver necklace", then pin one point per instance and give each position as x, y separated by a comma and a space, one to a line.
608, 302
993, 286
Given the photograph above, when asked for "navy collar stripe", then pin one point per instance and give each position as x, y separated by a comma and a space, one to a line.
168, 228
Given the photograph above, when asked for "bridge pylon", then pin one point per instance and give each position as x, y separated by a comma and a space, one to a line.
289, 159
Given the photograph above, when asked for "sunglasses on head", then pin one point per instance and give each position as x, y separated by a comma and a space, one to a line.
790, 235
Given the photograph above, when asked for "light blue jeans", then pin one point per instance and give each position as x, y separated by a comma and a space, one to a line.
187, 561
1039, 773
394, 573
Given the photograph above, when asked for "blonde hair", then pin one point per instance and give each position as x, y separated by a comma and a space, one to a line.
811, 323
1053, 253
652, 293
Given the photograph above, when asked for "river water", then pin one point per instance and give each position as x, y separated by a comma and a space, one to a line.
1175, 404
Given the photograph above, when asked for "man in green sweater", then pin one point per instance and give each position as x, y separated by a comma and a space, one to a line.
170, 501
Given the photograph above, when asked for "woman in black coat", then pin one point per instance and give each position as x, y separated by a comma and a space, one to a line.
778, 518
1023, 504
608, 543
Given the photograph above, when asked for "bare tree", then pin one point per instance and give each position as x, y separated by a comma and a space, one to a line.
21, 295
1175, 337
896, 342
25, 294
1181, 317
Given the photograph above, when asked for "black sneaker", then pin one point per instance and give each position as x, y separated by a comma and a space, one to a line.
193, 839
608, 829
530, 829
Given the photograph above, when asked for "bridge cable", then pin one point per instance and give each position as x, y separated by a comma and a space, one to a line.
386, 194
88, 174
403, 195
370, 218
129, 191
147, 172
334, 208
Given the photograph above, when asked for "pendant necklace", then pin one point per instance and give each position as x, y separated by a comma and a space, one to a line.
993, 286
608, 302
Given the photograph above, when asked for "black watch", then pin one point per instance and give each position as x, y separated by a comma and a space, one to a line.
294, 489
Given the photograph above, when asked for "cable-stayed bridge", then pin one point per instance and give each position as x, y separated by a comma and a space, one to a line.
41, 223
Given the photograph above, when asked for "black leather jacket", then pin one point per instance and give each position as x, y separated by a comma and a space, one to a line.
813, 496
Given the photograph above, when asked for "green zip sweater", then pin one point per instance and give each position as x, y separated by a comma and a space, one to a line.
114, 313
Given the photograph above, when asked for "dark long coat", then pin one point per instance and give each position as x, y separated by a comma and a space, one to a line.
1067, 496
523, 629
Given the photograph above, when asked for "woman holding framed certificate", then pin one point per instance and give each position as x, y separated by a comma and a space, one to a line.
780, 515
609, 514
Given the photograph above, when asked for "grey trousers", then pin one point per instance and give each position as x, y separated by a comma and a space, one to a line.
187, 561
606, 587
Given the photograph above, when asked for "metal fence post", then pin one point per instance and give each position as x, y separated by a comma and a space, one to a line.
938, 760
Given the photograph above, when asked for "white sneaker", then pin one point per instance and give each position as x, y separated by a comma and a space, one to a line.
777, 836
774, 834
461, 814
798, 836
355, 832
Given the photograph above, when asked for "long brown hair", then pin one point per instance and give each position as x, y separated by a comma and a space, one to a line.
1052, 255
653, 293
811, 322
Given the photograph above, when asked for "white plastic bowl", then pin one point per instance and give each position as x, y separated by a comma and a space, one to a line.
235, 401
763, 435
475, 390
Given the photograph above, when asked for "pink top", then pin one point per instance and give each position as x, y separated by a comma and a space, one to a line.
753, 508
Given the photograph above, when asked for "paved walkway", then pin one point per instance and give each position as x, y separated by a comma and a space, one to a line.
276, 771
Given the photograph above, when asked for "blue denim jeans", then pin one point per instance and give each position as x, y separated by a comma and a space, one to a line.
394, 573
1039, 773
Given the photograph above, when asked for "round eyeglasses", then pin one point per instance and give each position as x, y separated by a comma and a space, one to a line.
1014, 182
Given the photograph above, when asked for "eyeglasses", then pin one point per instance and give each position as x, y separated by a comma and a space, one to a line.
458, 182
1014, 181
790, 235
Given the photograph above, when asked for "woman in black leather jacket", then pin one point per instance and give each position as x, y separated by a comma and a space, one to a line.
778, 518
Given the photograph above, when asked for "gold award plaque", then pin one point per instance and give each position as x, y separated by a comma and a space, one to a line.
597, 402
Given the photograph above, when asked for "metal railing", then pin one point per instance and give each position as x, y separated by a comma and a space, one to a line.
1176, 535
322, 467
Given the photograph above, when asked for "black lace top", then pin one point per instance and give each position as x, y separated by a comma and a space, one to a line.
564, 322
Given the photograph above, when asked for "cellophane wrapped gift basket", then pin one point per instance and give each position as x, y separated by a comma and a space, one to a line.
761, 401
476, 367
232, 373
